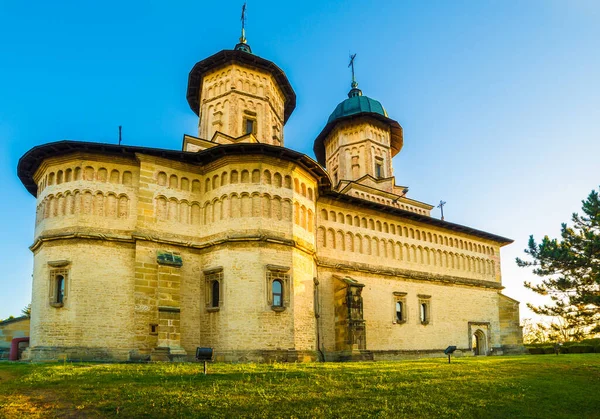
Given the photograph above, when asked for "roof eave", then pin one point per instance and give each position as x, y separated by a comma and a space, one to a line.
31, 161
425, 219
225, 57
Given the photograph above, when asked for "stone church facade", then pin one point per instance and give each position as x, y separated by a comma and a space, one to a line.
258, 251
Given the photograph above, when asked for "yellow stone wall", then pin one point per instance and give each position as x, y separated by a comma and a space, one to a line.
452, 308
369, 237
511, 331
233, 92
98, 308
352, 147
14, 328
86, 192
108, 218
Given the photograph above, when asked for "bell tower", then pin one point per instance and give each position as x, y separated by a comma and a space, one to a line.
359, 138
240, 97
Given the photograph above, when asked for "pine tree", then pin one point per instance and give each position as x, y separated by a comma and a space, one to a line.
570, 268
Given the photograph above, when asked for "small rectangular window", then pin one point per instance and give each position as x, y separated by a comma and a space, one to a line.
213, 280
378, 168
249, 126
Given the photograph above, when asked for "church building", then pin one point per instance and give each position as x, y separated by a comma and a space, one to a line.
253, 249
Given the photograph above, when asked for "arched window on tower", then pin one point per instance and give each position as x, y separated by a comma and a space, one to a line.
379, 168
277, 289
58, 287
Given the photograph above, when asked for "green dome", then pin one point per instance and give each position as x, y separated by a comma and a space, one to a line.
357, 104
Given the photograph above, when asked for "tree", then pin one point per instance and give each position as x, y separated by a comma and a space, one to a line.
534, 332
570, 268
26, 311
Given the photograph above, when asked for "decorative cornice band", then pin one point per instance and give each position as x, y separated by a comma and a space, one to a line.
407, 273
136, 236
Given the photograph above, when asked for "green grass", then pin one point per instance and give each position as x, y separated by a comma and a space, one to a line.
540, 386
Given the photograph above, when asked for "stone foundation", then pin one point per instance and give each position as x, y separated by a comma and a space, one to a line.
86, 354
76, 353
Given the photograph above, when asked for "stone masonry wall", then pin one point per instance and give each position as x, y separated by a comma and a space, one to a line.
245, 216
231, 93
99, 303
452, 308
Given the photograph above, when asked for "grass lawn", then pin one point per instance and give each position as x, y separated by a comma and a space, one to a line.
540, 386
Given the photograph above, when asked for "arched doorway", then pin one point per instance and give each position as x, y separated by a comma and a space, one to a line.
479, 343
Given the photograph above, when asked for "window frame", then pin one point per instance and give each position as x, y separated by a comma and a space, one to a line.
400, 298
424, 309
249, 119
276, 273
379, 168
58, 275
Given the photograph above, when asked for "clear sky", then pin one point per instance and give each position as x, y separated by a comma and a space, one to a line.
499, 100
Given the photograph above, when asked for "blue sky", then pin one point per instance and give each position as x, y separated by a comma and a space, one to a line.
499, 100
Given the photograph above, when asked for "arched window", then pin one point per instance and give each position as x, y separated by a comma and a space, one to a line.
213, 279
277, 289
424, 312
399, 311
278, 293
215, 294
58, 287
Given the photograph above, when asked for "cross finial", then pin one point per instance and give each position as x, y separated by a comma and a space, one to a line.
351, 64
441, 207
243, 19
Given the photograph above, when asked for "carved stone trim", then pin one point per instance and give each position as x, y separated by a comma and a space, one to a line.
212, 270
407, 273
153, 238
278, 268
59, 263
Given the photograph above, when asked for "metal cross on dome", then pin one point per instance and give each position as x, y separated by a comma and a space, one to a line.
441, 207
351, 64
243, 19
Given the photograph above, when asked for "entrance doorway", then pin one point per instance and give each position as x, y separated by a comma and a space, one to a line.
479, 343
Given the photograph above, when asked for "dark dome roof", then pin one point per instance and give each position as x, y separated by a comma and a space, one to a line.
241, 55
355, 105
